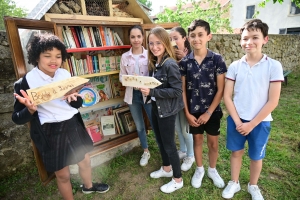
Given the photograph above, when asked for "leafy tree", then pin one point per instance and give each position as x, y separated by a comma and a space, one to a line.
9, 8
146, 3
263, 3
217, 16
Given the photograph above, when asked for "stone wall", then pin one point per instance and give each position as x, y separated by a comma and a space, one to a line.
284, 48
15, 146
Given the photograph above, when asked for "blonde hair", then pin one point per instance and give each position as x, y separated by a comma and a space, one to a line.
163, 36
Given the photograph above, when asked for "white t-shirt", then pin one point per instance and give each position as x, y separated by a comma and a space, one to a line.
56, 110
251, 88
136, 66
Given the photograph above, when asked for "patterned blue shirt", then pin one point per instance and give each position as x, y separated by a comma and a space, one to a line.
201, 80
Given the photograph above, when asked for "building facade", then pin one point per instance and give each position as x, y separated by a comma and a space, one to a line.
282, 18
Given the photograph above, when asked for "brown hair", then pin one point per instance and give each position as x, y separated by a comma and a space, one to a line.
163, 36
255, 24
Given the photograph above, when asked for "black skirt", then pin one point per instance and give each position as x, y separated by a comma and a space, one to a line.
68, 141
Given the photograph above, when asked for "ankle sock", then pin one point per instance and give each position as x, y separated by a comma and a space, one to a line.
201, 169
211, 169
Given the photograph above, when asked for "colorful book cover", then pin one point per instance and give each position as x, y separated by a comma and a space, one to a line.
118, 90
104, 62
94, 130
102, 85
112, 63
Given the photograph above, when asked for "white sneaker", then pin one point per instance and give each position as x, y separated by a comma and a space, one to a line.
187, 163
231, 189
214, 175
197, 178
255, 192
145, 158
171, 186
161, 173
181, 154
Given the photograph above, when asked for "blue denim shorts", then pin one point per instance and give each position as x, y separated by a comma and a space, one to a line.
257, 139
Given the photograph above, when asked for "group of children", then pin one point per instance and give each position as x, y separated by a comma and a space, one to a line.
188, 101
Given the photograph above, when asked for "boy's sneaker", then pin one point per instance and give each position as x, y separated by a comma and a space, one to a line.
187, 163
181, 154
171, 186
255, 192
231, 189
97, 187
161, 173
197, 178
214, 175
145, 158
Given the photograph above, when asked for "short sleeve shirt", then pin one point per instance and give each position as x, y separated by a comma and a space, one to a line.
201, 80
251, 88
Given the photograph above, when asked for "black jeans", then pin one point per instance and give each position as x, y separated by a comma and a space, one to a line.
164, 129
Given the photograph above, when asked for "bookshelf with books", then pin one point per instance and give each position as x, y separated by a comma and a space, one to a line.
82, 55
101, 42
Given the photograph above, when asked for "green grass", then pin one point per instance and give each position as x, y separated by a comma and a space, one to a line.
280, 177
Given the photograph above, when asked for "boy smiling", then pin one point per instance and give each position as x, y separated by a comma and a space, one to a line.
255, 80
203, 78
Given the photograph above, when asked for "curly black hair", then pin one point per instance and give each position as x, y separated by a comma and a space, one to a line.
44, 42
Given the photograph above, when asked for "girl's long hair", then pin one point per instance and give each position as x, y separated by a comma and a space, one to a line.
163, 36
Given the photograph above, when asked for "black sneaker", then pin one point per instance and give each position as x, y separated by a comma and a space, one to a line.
97, 187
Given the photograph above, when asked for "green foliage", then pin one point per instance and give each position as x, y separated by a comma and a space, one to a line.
217, 16
146, 3
263, 3
9, 8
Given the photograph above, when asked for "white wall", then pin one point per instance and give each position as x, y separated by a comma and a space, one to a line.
275, 15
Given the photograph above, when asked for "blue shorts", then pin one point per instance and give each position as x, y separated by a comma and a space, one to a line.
257, 139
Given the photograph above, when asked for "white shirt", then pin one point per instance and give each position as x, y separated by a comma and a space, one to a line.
56, 110
251, 88
136, 66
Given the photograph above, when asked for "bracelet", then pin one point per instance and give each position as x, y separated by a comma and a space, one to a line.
208, 113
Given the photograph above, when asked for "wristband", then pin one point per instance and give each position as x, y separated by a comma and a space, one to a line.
208, 113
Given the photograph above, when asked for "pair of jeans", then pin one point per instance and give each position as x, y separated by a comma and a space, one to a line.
164, 129
185, 138
136, 109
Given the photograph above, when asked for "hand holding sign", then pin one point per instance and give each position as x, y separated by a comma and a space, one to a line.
26, 101
140, 81
56, 90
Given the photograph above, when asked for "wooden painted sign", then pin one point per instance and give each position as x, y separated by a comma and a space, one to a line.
55, 90
140, 81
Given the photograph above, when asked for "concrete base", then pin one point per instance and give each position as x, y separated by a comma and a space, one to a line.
105, 156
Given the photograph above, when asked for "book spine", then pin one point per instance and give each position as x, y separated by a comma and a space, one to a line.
97, 30
86, 36
81, 36
91, 37
76, 39
103, 36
